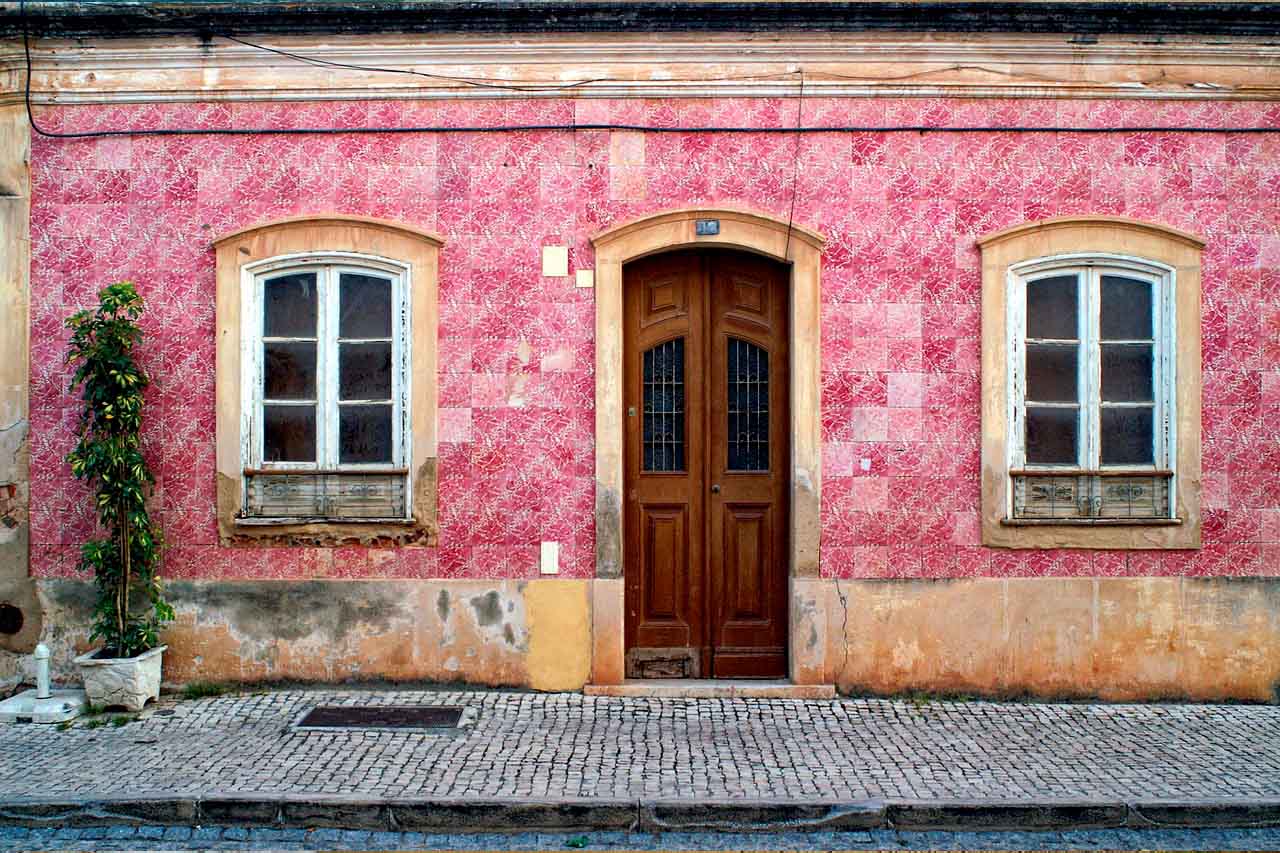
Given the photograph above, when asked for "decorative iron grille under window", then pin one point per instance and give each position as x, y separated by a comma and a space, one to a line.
1097, 496
329, 495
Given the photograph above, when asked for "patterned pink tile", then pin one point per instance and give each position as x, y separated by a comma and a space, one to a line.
900, 323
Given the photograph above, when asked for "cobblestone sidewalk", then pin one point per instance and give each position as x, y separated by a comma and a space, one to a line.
571, 747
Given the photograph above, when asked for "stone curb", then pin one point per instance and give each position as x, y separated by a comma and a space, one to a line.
514, 815
1216, 813
1016, 815
758, 816
583, 815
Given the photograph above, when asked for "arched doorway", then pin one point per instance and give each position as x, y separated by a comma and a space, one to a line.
746, 234
707, 451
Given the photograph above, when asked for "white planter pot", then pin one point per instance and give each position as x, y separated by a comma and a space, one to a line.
127, 682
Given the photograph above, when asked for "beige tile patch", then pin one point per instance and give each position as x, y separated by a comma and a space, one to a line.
555, 261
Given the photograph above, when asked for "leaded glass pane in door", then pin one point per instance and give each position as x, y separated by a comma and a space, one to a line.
664, 407
748, 406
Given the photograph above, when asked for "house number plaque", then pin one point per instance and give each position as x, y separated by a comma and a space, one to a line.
706, 227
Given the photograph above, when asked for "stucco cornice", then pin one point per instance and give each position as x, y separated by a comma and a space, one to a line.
104, 18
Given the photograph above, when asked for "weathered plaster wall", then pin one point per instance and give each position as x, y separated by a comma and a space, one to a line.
1115, 638
526, 633
17, 593
1119, 639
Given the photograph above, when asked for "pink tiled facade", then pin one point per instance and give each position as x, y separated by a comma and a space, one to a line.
900, 314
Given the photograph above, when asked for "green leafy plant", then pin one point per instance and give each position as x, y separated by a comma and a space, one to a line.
131, 608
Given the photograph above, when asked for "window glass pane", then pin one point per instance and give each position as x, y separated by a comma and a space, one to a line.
1052, 307
289, 434
1126, 308
748, 403
1127, 436
365, 310
288, 371
364, 371
1126, 373
1051, 373
663, 423
1052, 435
289, 306
364, 434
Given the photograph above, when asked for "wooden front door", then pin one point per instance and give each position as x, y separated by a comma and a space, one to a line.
707, 455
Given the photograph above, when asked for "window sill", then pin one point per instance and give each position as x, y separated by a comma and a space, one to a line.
278, 522
326, 532
1091, 522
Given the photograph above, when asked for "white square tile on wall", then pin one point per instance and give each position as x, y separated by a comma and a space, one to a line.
555, 261
550, 558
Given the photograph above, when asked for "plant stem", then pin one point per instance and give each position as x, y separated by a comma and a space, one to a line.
122, 585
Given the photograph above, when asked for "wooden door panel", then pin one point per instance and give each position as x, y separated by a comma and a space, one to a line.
748, 300
706, 465
665, 297
747, 559
748, 467
665, 547
665, 626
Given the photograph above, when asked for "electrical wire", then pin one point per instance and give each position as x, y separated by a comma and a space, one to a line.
561, 127
492, 83
470, 81
795, 167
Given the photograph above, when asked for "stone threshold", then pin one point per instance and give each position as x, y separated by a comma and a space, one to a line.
708, 688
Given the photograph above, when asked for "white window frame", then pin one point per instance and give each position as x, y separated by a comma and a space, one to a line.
327, 266
1090, 267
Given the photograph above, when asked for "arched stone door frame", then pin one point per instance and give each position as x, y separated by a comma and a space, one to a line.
746, 231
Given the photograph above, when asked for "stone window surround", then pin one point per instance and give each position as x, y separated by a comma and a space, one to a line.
792, 244
1078, 235
419, 251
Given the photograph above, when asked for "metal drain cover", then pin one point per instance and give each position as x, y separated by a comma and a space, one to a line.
431, 718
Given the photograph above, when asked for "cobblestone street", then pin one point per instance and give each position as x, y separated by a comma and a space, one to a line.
571, 747
267, 838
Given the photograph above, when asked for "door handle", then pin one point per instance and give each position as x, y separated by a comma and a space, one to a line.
715, 489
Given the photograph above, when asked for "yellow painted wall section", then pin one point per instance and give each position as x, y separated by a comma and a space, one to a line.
559, 621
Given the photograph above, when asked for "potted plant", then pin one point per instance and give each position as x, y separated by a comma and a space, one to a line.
130, 608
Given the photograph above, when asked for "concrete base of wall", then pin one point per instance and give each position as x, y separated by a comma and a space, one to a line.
499, 633
1117, 639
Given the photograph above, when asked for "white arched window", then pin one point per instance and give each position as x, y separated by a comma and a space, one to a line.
325, 359
1092, 376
